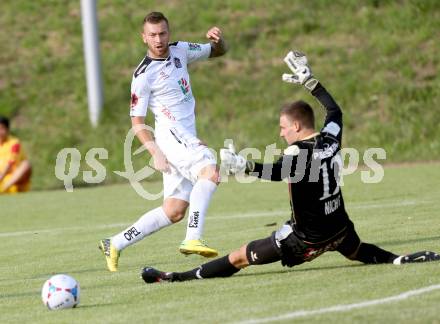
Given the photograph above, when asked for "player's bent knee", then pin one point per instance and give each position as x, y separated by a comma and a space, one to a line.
175, 209
216, 178
210, 172
176, 216
262, 252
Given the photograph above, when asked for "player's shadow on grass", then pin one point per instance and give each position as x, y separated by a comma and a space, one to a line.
22, 294
289, 270
103, 268
45, 276
96, 305
416, 240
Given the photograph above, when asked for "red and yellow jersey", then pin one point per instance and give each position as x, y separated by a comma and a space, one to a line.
11, 153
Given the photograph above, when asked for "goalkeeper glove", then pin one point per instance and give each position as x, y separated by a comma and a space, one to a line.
302, 74
234, 163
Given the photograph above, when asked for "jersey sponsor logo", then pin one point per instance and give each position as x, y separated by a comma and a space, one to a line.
168, 114
194, 219
327, 152
184, 86
177, 63
134, 100
194, 47
131, 234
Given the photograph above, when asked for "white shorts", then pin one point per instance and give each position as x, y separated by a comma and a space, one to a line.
187, 156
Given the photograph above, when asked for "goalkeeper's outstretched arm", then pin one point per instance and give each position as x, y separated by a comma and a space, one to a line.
235, 164
277, 171
334, 112
302, 74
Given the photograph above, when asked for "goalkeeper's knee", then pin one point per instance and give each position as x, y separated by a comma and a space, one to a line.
262, 251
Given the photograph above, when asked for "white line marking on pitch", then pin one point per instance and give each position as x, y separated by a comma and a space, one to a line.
344, 308
280, 212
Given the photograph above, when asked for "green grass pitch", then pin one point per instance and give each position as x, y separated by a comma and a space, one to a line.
44, 233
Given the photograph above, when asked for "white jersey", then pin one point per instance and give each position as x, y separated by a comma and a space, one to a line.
164, 86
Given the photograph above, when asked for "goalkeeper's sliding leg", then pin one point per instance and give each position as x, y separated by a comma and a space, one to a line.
256, 252
290, 251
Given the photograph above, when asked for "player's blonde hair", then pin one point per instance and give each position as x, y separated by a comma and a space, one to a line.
155, 17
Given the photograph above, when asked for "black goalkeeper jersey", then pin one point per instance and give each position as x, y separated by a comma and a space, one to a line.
312, 167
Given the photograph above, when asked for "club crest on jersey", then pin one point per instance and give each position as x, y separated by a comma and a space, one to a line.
177, 63
184, 86
194, 47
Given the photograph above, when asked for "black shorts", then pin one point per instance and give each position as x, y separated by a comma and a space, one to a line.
294, 250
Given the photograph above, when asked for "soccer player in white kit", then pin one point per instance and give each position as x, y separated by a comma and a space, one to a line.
190, 174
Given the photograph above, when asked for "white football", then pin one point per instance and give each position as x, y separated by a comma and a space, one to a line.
60, 291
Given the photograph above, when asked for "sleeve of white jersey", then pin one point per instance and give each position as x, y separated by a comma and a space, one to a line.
195, 51
140, 95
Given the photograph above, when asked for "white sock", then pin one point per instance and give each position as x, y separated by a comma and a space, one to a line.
149, 223
398, 260
198, 204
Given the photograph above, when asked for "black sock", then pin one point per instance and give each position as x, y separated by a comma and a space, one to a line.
220, 267
371, 254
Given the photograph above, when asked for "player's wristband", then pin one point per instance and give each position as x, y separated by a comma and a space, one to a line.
310, 84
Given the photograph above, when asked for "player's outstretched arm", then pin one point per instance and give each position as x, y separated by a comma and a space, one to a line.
334, 112
302, 74
218, 45
234, 163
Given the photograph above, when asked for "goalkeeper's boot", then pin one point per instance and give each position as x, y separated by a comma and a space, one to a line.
422, 256
151, 275
197, 247
110, 253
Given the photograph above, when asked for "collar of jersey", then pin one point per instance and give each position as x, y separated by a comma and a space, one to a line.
310, 136
160, 59
306, 138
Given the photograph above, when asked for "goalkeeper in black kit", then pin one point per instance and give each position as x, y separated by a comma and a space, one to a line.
311, 163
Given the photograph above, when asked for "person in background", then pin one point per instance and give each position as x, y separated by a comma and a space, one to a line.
15, 168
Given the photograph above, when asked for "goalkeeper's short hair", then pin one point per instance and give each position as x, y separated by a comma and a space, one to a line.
299, 111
